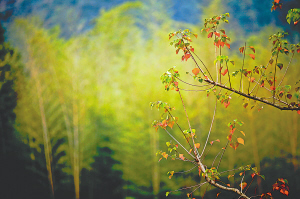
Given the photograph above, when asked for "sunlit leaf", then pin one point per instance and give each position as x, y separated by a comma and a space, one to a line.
225, 71
241, 49
252, 48
226, 104
228, 45
181, 156
252, 56
243, 185
195, 71
242, 132
197, 145
240, 140
210, 35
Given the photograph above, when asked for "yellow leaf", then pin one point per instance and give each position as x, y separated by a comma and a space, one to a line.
240, 140
242, 132
181, 156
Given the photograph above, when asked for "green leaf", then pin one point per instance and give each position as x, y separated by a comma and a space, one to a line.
280, 65
167, 193
262, 176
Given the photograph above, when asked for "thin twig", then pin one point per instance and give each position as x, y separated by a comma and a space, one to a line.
178, 142
222, 155
286, 70
242, 69
211, 124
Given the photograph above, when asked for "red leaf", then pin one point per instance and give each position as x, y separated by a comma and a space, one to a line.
225, 71
217, 34
295, 22
298, 112
222, 44
252, 48
298, 50
196, 71
187, 56
244, 184
252, 175
229, 137
226, 104
228, 45
192, 49
289, 96
232, 130
252, 56
241, 49
272, 88
210, 35
176, 83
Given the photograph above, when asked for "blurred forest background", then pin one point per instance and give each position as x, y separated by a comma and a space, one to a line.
76, 79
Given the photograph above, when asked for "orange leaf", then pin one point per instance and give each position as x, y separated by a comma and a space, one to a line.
298, 50
225, 71
252, 56
252, 48
217, 34
241, 49
196, 71
298, 112
232, 130
192, 49
229, 137
197, 145
272, 88
222, 44
228, 45
217, 140
187, 56
240, 140
171, 124
244, 184
181, 156
226, 104
165, 155
210, 35
276, 1
228, 185
252, 79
